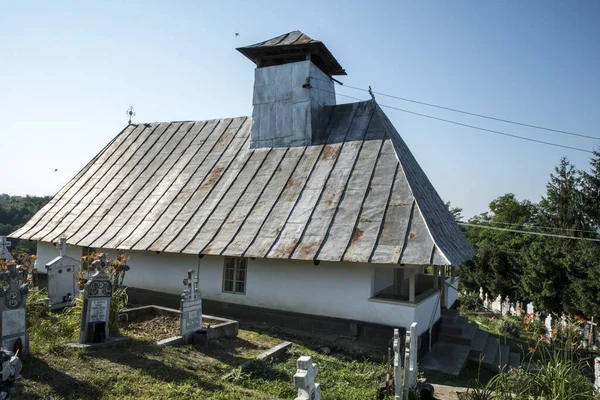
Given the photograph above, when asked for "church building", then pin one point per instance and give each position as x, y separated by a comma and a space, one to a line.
307, 213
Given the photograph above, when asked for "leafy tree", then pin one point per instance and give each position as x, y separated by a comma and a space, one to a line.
15, 211
455, 211
498, 265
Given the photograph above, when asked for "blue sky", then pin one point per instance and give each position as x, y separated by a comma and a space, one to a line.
68, 72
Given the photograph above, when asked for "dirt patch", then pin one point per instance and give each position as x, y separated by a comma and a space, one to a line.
157, 327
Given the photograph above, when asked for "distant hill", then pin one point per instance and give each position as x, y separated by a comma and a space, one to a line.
14, 212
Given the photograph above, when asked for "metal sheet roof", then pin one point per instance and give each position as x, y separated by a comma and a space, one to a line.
291, 47
356, 195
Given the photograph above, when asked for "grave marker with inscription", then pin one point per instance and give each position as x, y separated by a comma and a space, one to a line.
191, 307
97, 295
62, 278
12, 313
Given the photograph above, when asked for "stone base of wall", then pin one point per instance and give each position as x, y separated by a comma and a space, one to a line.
377, 334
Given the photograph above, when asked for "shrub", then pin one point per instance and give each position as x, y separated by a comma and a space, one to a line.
513, 325
470, 302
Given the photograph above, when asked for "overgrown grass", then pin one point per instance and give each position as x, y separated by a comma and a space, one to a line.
551, 371
145, 370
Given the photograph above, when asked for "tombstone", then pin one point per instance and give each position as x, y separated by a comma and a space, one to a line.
410, 359
597, 373
12, 314
4, 251
62, 278
304, 380
97, 294
548, 324
530, 309
191, 307
397, 367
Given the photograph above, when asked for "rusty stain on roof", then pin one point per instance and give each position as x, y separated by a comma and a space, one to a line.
197, 187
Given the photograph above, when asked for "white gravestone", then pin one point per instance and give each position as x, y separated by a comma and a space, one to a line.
62, 278
97, 295
12, 306
548, 324
397, 367
4, 251
597, 373
410, 359
304, 380
191, 307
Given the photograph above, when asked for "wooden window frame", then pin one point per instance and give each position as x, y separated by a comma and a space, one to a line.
238, 262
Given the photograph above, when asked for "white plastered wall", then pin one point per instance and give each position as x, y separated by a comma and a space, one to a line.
339, 290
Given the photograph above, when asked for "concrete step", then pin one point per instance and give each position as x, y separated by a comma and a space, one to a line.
488, 357
502, 357
478, 345
449, 316
514, 360
456, 328
448, 358
465, 338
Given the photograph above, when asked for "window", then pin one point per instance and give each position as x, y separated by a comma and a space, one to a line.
88, 254
234, 275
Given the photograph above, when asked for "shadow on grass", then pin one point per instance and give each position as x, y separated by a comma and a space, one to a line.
36, 369
230, 351
137, 357
358, 348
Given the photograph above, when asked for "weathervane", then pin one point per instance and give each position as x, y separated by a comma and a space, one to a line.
130, 111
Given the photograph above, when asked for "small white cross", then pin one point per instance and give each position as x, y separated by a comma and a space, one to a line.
62, 246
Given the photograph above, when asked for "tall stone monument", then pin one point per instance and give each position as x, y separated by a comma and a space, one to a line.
397, 367
4, 251
62, 278
304, 380
191, 307
12, 314
410, 365
97, 295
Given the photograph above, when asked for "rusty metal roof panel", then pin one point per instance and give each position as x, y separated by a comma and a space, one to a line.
356, 195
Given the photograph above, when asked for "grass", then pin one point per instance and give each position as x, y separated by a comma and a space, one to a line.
144, 370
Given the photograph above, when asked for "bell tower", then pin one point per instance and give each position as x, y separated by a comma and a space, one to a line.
292, 84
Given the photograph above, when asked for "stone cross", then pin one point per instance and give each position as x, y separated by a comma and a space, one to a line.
191, 307
191, 293
410, 359
100, 263
304, 380
62, 246
397, 367
12, 313
4, 252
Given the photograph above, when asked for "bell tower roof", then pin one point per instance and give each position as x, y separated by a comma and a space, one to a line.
292, 47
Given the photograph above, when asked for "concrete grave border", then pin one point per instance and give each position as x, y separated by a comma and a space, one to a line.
224, 328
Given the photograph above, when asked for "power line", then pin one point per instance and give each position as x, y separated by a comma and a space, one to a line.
474, 114
494, 228
544, 227
466, 125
